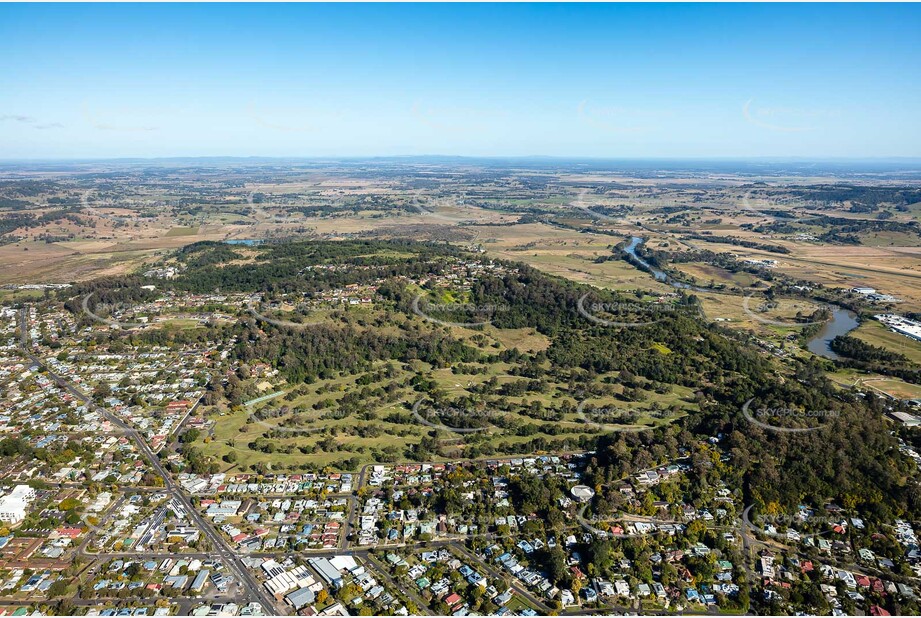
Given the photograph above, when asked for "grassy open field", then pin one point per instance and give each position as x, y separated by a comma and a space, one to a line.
886, 385
703, 274
876, 333
892, 270
895, 388
301, 427
568, 254
565, 224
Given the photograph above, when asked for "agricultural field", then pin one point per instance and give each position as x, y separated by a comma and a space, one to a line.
284, 425
329, 357
877, 334
582, 309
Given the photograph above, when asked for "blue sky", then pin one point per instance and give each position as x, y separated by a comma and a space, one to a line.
622, 80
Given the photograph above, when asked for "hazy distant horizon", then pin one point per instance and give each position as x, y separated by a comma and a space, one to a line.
879, 169
678, 81
465, 156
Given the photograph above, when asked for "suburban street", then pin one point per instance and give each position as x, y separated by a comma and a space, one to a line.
254, 591
221, 551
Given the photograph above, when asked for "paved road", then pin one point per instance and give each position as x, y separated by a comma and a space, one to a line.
382, 571
227, 555
635, 611
223, 552
103, 518
778, 544
185, 604
349, 522
494, 573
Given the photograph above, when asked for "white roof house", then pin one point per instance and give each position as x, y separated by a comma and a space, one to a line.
13, 506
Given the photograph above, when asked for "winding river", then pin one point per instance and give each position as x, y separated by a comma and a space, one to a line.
842, 320
635, 242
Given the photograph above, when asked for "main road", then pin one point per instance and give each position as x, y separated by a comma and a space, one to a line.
223, 550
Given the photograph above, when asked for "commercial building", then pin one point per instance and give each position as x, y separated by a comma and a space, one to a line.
327, 572
903, 326
198, 584
300, 598
13, 506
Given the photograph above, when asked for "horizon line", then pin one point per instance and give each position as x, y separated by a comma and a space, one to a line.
714, 158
